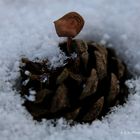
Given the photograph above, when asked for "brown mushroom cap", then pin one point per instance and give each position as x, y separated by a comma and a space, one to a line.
69, 25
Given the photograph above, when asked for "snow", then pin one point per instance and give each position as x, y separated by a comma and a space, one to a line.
27, 30
27, 73
32, 92
30, 98
25, 82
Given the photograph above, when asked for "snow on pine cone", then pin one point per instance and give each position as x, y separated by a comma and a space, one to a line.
83, 90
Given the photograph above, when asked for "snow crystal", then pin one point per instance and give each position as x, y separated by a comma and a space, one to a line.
27, 73
74, 55
24, 83
45, 79
32, 92
30, 98
106, 36
57, 61
103, 42
26, 29
105, 39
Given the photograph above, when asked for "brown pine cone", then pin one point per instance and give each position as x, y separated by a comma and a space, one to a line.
83, 90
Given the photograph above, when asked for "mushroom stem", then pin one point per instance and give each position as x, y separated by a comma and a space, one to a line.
69, 40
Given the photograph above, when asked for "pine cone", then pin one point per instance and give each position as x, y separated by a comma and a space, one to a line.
83, 90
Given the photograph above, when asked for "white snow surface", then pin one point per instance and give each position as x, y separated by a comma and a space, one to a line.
26, 29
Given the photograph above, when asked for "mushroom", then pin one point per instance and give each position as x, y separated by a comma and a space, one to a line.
69, 26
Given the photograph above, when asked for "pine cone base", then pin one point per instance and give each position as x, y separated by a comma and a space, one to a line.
83, 90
